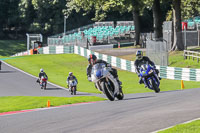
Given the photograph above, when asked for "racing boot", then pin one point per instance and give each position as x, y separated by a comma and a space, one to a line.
119, 82
120, 88
141, 81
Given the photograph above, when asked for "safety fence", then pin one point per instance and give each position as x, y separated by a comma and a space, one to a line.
174, 73
187, 54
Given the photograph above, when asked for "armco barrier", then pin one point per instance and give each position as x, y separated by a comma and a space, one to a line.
174, 73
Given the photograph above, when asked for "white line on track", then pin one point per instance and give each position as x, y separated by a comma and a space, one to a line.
175, 125
34, 76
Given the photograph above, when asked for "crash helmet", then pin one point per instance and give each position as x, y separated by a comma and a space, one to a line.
92, 58
41, 70
70, 73
139, 54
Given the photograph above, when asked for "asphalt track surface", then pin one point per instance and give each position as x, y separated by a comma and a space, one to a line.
15, 83
137, 113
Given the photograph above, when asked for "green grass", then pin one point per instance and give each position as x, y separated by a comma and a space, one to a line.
16, 103
10, 47
176, 59
192, 127
57, 68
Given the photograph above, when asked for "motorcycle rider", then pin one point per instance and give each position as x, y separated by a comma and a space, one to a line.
42, 74
92, 59
71, 77
140, 59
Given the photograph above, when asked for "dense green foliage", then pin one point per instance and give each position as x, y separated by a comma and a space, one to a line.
15, 103
47, 16
36, 16
190, 9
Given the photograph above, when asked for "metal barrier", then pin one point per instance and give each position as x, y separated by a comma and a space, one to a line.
157, 51
191, 54
173, 73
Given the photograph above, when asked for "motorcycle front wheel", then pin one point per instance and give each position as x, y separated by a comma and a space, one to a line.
108, 91
155, 87
74, 90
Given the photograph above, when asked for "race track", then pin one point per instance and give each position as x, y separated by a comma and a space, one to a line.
16, 83
137, 113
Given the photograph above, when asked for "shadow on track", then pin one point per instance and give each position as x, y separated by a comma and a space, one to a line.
138, 98
82, 94
7, 71
170, 91
53, 89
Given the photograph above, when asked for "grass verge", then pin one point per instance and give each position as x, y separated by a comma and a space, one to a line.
16, 103
57, 68
192, 127
10, 47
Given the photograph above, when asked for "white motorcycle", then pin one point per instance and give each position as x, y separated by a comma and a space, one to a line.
105, 82
72, 86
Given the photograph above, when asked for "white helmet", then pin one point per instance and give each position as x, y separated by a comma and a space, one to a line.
41, 70
70, 73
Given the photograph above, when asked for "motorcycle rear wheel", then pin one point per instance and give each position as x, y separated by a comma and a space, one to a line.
120, 96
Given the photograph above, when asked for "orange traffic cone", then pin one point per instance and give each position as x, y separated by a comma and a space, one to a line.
48, 103
182, 85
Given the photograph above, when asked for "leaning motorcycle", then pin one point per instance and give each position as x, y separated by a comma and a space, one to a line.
43, 82
105, 82
150, 77
72, 86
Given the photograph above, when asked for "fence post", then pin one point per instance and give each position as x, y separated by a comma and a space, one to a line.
185, 57
185, 37
198, 34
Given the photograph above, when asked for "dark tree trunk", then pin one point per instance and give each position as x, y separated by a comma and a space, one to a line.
137, 25
157, 15
1, 30
177, 42
3, 15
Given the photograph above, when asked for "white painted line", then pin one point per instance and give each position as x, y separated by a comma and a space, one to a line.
34, 76
175, 125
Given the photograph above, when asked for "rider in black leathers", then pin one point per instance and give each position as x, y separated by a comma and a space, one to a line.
93, 60
42, 73
142, 60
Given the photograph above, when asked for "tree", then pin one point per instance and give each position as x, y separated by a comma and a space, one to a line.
27, 13
190, 8
181, 9
177, 31
157, 16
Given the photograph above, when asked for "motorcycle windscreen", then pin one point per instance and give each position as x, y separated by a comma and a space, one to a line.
97, 71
